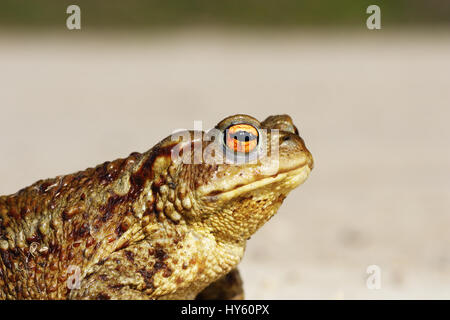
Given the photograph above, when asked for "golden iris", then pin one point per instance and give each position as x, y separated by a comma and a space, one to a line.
241, 138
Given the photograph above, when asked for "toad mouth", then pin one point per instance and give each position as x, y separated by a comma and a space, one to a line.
292, 178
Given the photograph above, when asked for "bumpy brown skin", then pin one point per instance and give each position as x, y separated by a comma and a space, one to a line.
145, 227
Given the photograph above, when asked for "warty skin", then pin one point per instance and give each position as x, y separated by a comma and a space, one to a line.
148, 226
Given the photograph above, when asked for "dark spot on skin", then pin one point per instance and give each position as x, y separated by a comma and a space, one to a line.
214, 193
138, 179
102, 172
150, 209
103, 296
184, 266
97, 245
103, 277
123, 227
129, 255
65, 216
145, 172
90, 242
13, 212
110, 206
134, 155
53, 248
167, 273
172, 185
147, 275
110, 171
36, 237
6, 259
43, 187
137, 185
24, 211
82, 231
15, 252
160, 254
101, 262
58, 191
156, 185
67, 180
116, 286
159, 265
53, 266
88, 276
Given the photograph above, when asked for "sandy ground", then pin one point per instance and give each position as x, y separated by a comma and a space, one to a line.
374, 110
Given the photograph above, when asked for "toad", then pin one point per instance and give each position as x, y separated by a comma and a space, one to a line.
170, 223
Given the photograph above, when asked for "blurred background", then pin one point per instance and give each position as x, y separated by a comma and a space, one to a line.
372, 105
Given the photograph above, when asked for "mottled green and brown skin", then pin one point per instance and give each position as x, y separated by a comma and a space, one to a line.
144, 227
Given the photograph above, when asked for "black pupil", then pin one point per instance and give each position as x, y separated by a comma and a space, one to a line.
243, 136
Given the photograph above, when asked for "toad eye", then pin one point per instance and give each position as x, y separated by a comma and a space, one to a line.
241, 138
